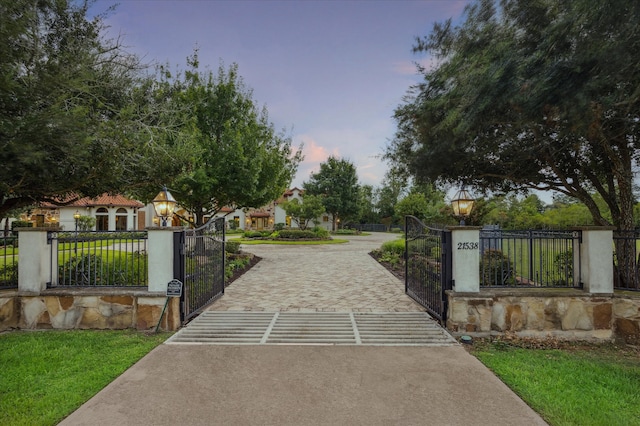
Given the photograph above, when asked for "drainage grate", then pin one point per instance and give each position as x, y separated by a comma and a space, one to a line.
313, 328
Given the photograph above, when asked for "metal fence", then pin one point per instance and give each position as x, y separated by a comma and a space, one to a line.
93, 259
535, 258
428, 266
199, 262
8, 262
626, 275
368, 227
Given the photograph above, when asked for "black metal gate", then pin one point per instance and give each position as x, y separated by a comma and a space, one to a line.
199, 262
428, 266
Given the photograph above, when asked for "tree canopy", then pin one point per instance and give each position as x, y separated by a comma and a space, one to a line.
337, 183
242, 162
304, 212
74, 113
530, 95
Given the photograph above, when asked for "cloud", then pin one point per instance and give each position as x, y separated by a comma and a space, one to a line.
313, 152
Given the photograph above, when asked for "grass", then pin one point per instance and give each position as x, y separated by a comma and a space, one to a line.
573, 384
46, 375
292, 242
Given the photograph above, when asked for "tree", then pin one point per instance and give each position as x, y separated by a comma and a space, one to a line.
530, 95
75, 118
337, 184
243, 161
367, 209
302, 213
414, 204
388, 195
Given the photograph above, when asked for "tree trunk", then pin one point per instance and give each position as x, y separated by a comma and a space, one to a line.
626, 261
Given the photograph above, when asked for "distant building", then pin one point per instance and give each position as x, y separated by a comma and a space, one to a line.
112, 213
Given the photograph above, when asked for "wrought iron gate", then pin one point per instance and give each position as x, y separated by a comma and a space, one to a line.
199, 262
428, 266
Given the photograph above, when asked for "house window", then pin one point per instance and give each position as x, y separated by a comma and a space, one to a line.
102, 219
121, 219
325, 218
236, 220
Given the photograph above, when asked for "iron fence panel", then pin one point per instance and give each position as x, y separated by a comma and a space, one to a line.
530, 258
202, 264
8, 262
626, 273
427, 266
98, 259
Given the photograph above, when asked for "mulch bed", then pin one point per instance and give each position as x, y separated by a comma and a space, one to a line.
397, 270
239, 272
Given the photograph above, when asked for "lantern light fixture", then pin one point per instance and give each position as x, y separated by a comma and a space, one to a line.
462, 204
164, 204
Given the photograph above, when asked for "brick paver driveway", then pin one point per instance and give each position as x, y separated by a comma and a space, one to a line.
321, 278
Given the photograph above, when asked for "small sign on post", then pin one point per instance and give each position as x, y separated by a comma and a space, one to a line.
174, 288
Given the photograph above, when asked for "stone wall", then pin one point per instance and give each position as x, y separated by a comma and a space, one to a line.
626, 316
88, 309
563, 313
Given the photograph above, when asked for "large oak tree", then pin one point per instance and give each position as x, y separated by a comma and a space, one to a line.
76, 117
528, 94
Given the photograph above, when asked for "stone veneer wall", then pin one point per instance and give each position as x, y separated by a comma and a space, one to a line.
88, 309
562, 313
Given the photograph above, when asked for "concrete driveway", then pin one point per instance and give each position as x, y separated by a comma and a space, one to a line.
201, 384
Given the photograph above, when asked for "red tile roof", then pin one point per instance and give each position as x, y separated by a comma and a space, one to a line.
259, 214
102, 200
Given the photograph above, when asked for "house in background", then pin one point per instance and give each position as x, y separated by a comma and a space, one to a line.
119, 213
268, 216
112, 213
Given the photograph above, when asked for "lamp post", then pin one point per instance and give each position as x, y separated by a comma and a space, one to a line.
76, 217
462, 205
164, 204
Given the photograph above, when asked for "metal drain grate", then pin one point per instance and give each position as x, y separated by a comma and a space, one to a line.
313, 328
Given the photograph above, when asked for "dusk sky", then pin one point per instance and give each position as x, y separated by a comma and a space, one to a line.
329, 72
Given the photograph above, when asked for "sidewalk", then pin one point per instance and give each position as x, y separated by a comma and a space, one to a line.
309, 385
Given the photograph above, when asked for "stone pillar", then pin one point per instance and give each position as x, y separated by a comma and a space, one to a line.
596, 257
34, 260
160, 251
465, 252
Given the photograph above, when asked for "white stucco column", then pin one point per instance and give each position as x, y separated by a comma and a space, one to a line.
465, 260
160, 252
34, 260
596, 257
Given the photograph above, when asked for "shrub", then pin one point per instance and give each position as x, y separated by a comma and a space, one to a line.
9, 274
346, 231
21, 224
394, 259
296, 234
253, 234
232, 247
233, 263
320, 232
9, 241
394, 246
279, 227
563, 265
496, 269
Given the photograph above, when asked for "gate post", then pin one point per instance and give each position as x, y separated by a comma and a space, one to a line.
160, 243
465, 258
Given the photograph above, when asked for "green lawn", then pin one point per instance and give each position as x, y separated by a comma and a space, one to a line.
572, 384
46, 375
